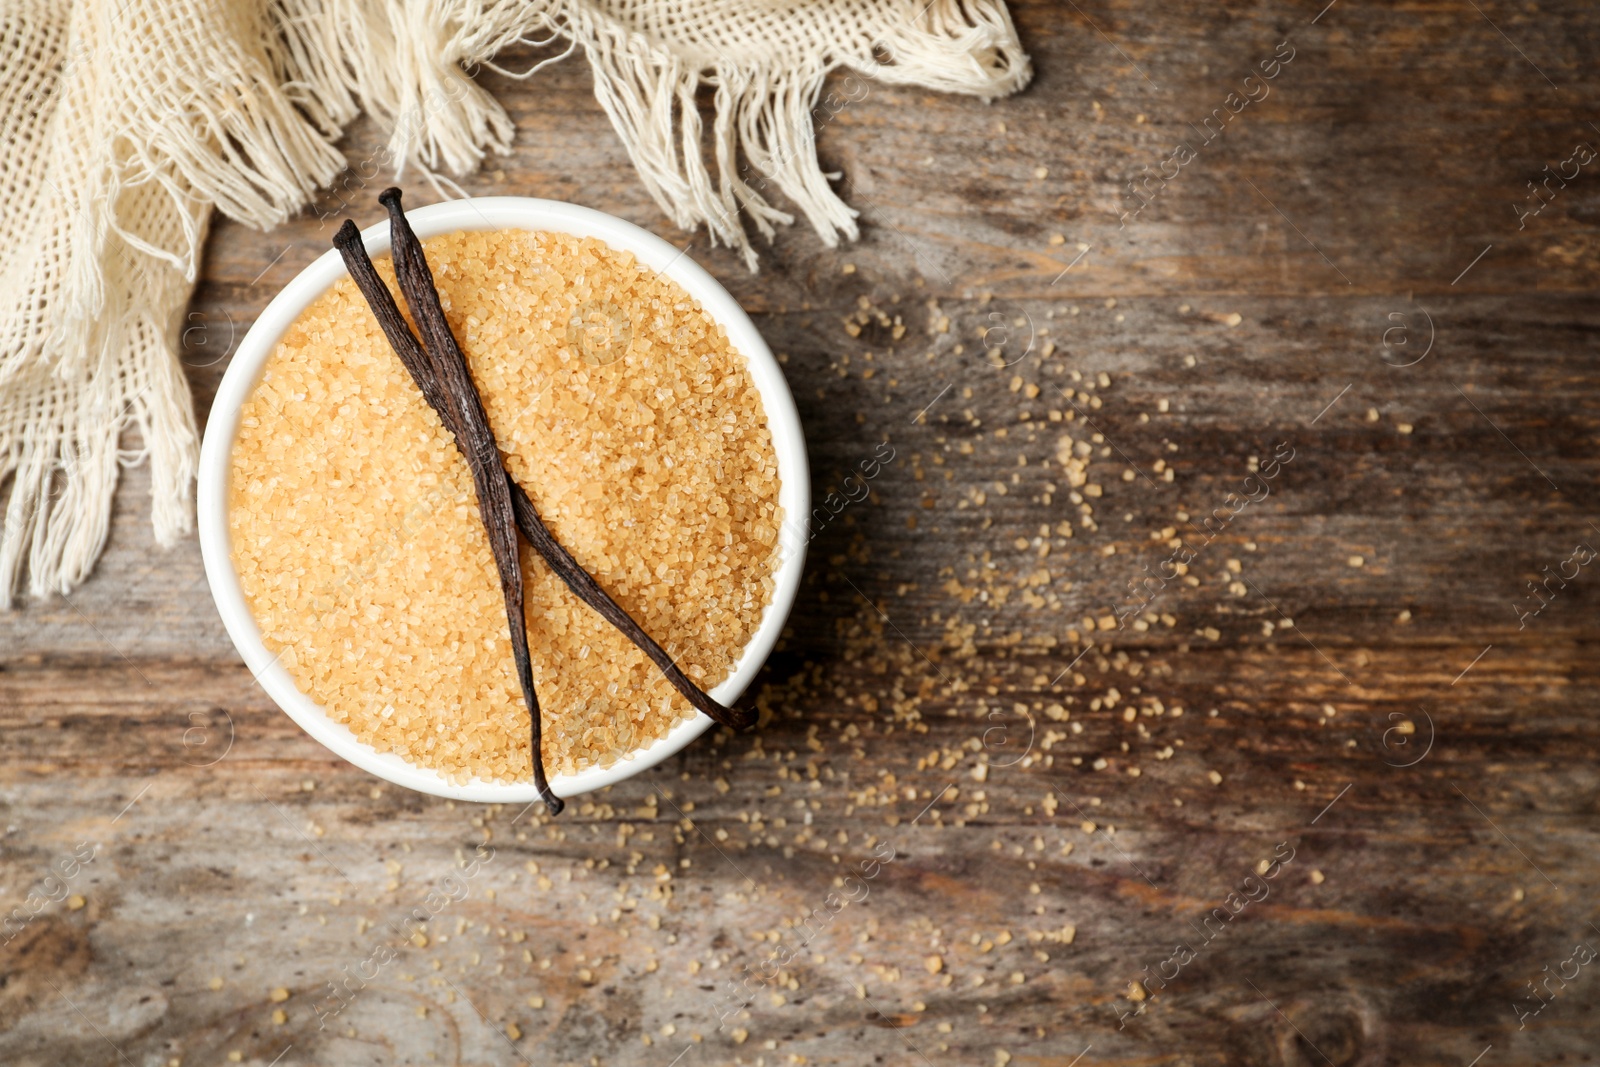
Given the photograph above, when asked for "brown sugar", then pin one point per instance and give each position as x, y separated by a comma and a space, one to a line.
632, 422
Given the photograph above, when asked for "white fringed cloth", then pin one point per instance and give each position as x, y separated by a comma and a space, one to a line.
125, 123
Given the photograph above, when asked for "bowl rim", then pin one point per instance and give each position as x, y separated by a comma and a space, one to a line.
496, 213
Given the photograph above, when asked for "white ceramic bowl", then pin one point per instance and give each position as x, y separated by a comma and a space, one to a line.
495, 213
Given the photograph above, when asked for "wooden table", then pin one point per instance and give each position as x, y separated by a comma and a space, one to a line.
1340, 277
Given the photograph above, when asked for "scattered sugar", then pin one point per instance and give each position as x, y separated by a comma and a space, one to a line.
622, 409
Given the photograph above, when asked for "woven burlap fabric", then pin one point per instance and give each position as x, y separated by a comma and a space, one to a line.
125, 123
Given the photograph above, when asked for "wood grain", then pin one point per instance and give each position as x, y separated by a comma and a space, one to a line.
233, 856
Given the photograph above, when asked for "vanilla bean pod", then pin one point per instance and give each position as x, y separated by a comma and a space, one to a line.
568, 569
456, 400
425, 366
